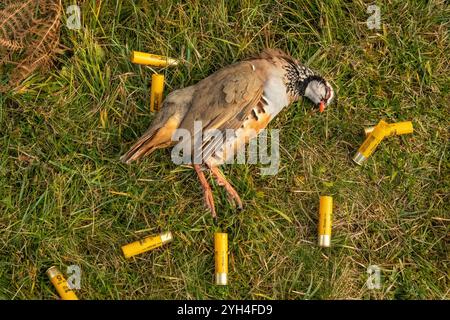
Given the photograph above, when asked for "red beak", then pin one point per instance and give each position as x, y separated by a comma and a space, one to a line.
322, 106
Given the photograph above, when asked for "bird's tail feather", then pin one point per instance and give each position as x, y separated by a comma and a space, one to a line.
143, 146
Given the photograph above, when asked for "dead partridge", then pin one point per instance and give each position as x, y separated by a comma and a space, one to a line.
243, 97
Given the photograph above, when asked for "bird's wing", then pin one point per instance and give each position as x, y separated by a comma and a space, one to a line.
225, 99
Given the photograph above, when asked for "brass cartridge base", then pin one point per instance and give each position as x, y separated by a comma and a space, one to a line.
359, 158
324, 240
166, 237
221, 279
52, 272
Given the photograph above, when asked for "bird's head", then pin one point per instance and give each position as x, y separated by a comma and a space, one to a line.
303, 82
319, 91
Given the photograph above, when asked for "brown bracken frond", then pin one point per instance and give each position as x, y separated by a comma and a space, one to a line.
29, 36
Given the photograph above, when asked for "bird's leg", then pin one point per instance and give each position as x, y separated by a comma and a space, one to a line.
209, 200
233, 196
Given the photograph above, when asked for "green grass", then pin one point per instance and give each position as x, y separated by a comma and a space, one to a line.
65, 198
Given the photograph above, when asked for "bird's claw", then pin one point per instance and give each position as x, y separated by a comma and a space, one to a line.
209, 201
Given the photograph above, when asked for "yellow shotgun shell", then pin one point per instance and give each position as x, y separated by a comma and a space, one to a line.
146, 244
399, 128
394, 129
152, 59
325, 216
221, 258
156, 94
371, 142
60, 283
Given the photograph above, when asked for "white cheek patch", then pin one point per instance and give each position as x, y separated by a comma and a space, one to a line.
310, 94
315, 92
